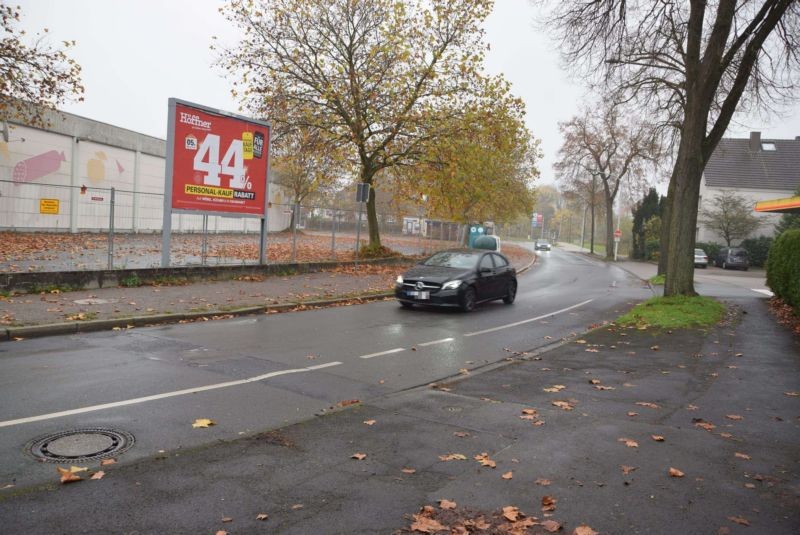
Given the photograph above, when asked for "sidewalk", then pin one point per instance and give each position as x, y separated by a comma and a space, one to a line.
622, 430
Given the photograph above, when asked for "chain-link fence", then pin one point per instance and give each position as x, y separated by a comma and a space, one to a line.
49, 227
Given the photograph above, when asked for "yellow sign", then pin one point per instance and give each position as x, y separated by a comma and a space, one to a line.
208, 191
48, 206
247, 145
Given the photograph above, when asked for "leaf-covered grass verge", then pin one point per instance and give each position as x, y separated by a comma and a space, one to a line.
675, 312
657, 280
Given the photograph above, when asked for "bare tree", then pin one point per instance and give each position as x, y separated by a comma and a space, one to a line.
731, 216
365, 74
605, 145
38, 74
690, 65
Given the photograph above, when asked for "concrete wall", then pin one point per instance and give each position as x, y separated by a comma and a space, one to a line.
768, 221
54, 163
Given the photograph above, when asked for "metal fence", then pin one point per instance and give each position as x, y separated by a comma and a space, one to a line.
49, 227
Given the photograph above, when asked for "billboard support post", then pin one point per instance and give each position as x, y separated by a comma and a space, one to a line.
217, 164
111, 231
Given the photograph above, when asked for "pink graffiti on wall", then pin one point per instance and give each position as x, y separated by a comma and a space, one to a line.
38, 166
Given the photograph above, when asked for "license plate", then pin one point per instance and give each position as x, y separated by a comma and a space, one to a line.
418, 295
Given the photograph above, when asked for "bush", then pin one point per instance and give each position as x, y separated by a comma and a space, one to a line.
371, 251
711, 248
757, 250
783, 268
652, 249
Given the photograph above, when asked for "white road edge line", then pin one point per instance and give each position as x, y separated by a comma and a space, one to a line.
434, 342
380, 353
529, 320
765, 292
134, 401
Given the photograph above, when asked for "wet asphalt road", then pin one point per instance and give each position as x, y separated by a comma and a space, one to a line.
367, 350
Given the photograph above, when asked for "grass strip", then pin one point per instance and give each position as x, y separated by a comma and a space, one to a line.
674, 312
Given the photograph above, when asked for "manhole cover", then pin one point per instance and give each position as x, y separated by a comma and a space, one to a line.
80, 445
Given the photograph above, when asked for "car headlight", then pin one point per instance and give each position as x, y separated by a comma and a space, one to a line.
399, 279
452, 285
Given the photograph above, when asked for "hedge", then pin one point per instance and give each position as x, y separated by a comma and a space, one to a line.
783, 268
757, 250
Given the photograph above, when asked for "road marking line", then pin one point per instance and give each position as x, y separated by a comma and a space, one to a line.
135, 401
765, 292
529, 320
434, 342
388, 352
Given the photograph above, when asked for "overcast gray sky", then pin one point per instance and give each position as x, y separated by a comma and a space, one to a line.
136, 54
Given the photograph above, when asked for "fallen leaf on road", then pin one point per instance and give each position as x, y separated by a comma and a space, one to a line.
67, 476
226, 519
628, 442
461, 434
98, 475
409, 470
631, 413
592, 350
674, 472
627, 469
533, 412
657, 438
543, 482
594, 381
484, 459
551, 526
749, 485
106, 462
348, 402
425, 524
580, 341
654, 348
508, 475
691, 407
203, 422
725, 435
554, 388
297, 506
369, 422
262, 516
708, 426
583, 529
453, 457
511, 513
447, 504
221, 532
562, 405
743, 456
734, 417
601, 387
739, 520
359, 456
647, 404
790, 394
548, 504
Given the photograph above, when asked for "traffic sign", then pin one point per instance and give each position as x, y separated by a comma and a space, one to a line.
617, 233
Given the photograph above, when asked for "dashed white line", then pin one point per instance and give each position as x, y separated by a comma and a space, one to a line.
134, 401
434, 342
765, 292
537, 318
380, 353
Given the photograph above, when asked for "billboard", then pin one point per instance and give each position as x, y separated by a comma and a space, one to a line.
219, 161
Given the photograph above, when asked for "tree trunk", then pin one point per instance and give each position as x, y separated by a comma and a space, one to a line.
663, 242
367, 174
609, 222
683, 210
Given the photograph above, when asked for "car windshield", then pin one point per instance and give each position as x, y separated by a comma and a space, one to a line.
453, 260
699, 252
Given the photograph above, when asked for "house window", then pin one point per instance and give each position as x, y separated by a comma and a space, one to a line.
768, 146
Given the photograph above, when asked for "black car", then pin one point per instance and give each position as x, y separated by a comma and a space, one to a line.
541, 245
458, 278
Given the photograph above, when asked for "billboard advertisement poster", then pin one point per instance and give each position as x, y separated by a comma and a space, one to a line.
219, 162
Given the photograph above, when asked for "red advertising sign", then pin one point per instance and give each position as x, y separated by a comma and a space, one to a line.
219, 162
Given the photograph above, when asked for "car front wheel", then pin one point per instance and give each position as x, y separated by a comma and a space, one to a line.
511, 293
468, 300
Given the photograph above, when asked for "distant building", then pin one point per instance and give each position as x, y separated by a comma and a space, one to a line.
756, 169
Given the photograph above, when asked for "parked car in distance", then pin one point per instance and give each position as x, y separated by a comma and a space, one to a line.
541, 245
458, 278
732, 258
488, 242
700, 258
